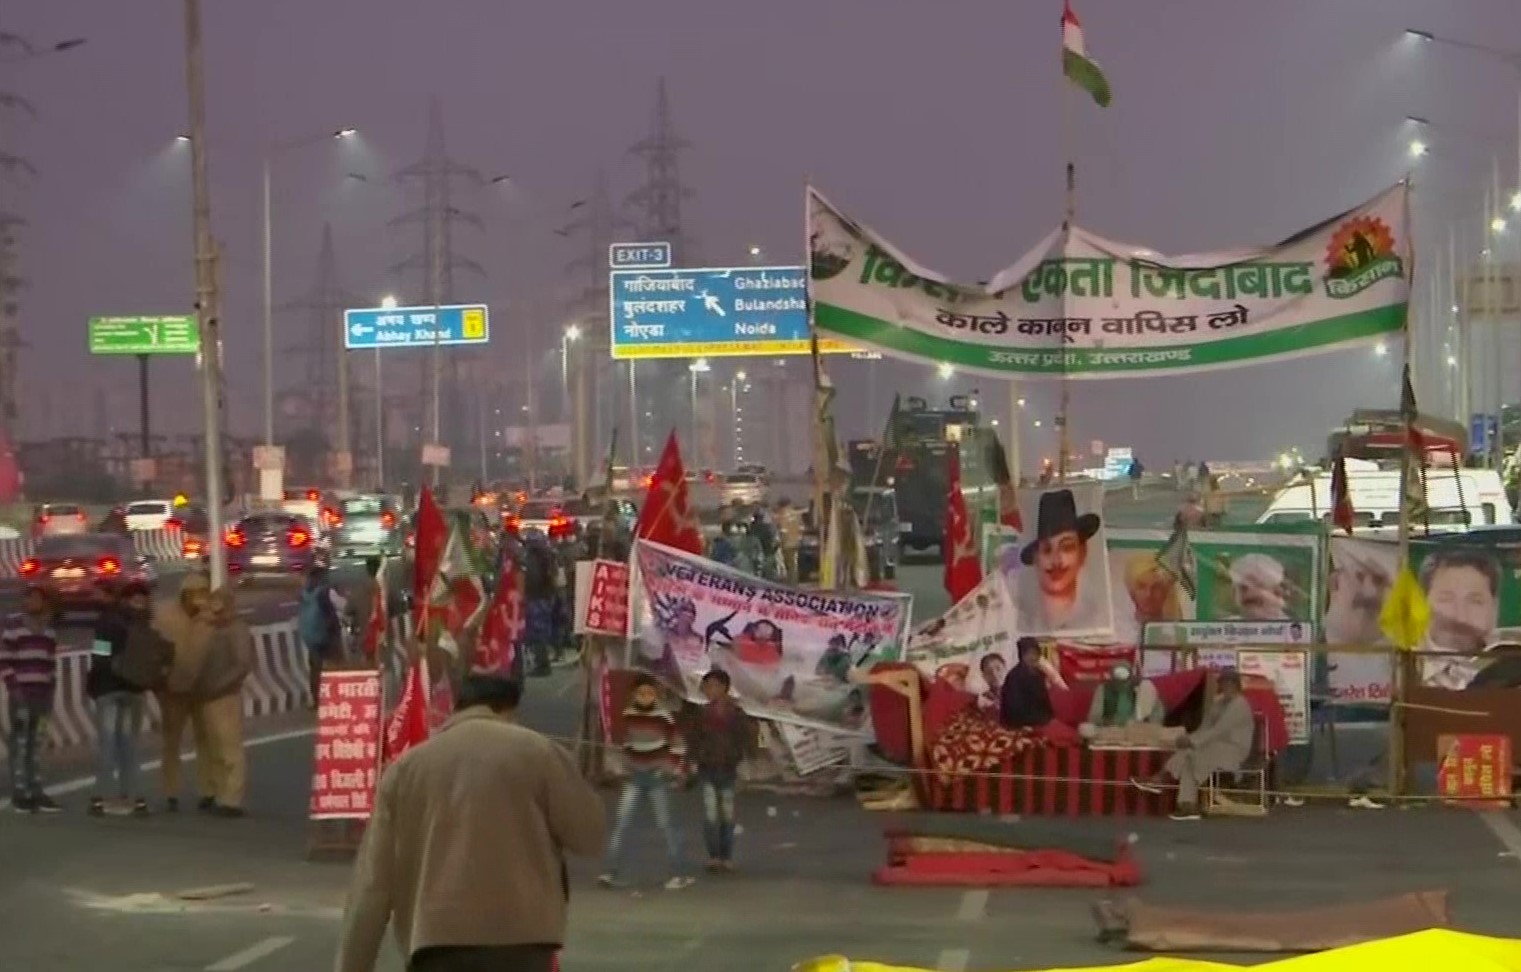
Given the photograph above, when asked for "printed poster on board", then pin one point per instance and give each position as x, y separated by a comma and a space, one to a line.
1058, 570
1474, 591
972, 644
347, 758
789, 652
1082, 306
1268, 575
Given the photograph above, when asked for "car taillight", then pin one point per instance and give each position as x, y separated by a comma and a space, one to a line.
904, 464
233, 538
174, 523
313, 495
108, 567
411, 540
388, 519
81, 516
558, 525
29, 566
44, 518
193, 547
298, 538
649, 482
512, 524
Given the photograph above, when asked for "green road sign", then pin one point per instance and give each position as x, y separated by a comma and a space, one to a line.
144, 335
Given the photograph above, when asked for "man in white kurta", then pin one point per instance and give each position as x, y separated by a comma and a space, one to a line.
1221, 744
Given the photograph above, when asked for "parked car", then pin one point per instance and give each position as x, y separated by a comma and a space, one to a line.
59, 519
745, 488
366, 526
274, 544
72, 567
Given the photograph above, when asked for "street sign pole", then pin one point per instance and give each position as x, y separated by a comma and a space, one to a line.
142, 403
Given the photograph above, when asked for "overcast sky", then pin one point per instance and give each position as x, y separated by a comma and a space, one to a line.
939, 124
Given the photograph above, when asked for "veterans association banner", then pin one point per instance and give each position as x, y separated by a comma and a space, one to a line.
972, 644
1262, 586
1082, 306
789, 651
1475, 596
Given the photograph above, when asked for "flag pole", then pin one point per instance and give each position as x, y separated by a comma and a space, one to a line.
1403, 667
1069, 212
822, 473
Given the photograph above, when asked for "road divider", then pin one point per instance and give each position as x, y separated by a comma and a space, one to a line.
277, 685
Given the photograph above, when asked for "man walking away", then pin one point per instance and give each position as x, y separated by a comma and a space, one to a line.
789, 528
465, 855
318, 622
29, 670
182, 622
721, 738
1136, 472
219, 691
126, 658
652, 752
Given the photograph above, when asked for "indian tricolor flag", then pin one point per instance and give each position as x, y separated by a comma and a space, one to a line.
1082, 70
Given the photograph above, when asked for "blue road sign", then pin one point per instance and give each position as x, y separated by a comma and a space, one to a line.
639, 256
711, 312
1482, 430
414, 327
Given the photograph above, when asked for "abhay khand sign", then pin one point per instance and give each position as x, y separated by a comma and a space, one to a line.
1085, 307
711, 312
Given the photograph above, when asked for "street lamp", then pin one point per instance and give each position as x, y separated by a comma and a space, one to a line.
739, 448
697, 367
269, 339
945, 371
1418, 148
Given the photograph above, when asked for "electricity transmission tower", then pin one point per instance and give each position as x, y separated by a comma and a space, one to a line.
438, 176
326, 363
654, 211
13, 168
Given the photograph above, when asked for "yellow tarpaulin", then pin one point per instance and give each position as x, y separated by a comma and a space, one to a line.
1406, 614
837, 963
1437, 950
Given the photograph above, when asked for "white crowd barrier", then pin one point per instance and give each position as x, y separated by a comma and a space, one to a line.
12, 553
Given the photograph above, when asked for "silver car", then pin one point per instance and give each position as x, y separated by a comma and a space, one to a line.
59, 519
747, 489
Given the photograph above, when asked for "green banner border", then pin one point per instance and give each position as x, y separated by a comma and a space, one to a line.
1244, 350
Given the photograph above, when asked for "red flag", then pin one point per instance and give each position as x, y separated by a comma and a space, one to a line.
431, 533
1008, 490
502, 631
375, 632
408, 725
963, 569
1342, 514
666, 516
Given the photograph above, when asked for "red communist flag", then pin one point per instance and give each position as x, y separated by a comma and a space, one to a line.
431, 531
963, 570
1342, 513
503, 629
1008, 490
408, 725
666, 516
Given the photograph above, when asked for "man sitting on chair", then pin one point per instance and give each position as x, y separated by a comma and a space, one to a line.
1220, 745
1125, 699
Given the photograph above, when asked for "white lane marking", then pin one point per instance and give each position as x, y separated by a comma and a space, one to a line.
954, 960
250, 955
1505, 830
74, 786
974, 906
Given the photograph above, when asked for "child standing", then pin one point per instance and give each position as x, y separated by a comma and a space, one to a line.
653, 752
29, 669
721, 738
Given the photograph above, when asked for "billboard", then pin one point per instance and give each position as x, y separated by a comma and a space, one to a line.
711, 312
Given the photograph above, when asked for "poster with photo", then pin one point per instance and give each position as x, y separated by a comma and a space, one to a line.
1262, 575
1059, 569
790, 652
1474, 591
972, 644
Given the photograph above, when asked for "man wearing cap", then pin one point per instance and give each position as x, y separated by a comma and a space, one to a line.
1258, 584
1125, 699
1221, 744
1057, 601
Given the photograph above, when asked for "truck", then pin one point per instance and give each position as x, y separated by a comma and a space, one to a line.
914, 461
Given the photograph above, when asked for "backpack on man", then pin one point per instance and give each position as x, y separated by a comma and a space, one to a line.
145, 659
316, 619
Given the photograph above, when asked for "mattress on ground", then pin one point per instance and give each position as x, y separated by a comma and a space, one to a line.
1437, 948
1163, 929
1026, 835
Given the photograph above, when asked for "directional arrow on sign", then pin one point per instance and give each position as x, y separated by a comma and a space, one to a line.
359, 330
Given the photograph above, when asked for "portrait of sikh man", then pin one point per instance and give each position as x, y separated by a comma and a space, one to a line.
1063, 600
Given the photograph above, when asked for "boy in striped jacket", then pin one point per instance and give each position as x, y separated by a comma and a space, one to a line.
29, 671
653, 752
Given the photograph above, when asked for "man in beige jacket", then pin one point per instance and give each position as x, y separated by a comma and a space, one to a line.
464, 856
182, 621
218, 695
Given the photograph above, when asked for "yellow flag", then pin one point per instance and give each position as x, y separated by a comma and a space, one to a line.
1405, 615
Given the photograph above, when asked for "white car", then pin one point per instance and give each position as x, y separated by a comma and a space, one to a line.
148, 514
744, 488
57, 519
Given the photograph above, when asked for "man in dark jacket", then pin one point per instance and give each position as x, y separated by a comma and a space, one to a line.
118, 703
1026, 700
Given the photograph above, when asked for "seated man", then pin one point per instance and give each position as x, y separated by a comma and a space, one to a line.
1220, 745
1125, 699
1025, 700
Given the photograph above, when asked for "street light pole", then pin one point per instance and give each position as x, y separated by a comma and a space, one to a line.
206, 291
269, 329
